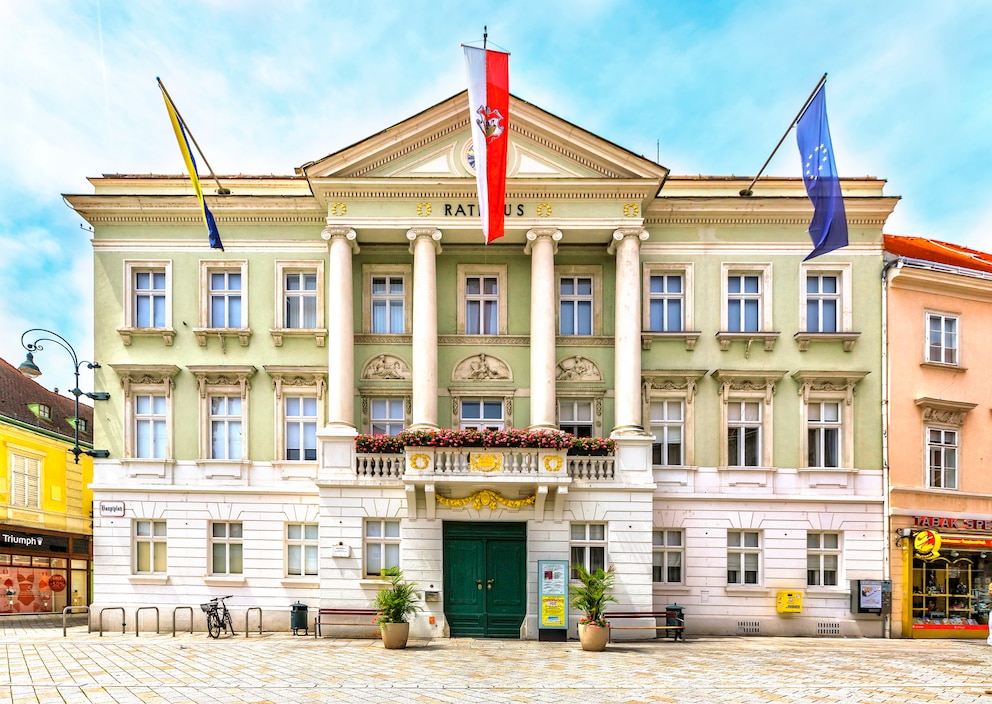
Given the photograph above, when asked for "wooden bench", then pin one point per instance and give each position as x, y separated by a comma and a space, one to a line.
338, 617
674, 622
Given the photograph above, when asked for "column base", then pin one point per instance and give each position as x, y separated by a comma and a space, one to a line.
424, 426
629, 431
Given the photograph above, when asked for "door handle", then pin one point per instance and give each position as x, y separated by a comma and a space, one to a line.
489, 584
478, 584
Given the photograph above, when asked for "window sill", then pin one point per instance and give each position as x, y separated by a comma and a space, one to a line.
821, 592
382, 338
847, 338
223, 469
243, 334
148, 578
307, 582
223, 580
139, 467
318, 334
741, 590
748, 338
372, 582
168, 335
688, 336
665, 588
940, 365
297, 470
828, 476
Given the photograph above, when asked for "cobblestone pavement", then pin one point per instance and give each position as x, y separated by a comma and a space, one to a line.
38, 664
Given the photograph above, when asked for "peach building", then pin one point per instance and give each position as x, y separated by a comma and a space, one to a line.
938, 308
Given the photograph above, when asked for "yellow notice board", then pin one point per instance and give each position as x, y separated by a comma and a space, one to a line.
789, 602
553, 594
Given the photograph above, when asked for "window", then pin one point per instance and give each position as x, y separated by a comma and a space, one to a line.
942, 339
301, 428
386, 416
300, 299
225, 299
481, 305
149, 547
666, 298
743, 303
743, 553
481, 414
388, 304
299, 305
822, 303
575, 301
44, 411
667, 426
822, 559
482, 301
667, 557
150, 426
83, 426
25, 481
576, 417
382, 546
226, 548
823, 438
225, 428
744, 433
149, 299
301, 549
588, 546
942, 458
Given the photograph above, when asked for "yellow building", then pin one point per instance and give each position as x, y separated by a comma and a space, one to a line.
46, 522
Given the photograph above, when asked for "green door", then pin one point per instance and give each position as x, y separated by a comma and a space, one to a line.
485, 580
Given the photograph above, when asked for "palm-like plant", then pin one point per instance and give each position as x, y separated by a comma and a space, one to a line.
398, 601
593, 594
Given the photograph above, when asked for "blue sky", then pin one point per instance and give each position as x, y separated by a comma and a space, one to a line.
268, 86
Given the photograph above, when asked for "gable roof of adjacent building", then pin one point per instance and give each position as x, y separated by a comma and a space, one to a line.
22, 401
938, 252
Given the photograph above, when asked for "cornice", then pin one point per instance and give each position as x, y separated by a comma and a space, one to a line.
967, 285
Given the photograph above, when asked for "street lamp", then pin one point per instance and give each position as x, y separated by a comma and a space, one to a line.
29, 369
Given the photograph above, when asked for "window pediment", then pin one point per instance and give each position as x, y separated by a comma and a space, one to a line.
222, 375
944, 412
829, 382
160, 374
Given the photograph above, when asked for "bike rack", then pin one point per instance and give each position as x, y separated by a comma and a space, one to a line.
174, 619
123, 617
247, 613
137, 620
72, 609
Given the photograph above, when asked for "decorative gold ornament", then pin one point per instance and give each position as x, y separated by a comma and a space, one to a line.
423, 209
485, 462
553, 463
338, 209
486, 497
630, 210
544, 210
420, 461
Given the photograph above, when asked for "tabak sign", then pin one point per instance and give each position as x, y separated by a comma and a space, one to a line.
946, 523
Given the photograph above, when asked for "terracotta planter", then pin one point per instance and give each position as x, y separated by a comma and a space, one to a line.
592, 637
394, 635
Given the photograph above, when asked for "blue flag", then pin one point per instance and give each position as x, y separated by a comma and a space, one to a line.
828, 228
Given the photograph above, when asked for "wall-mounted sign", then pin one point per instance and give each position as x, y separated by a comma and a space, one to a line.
552, 594
112, 509
948, 523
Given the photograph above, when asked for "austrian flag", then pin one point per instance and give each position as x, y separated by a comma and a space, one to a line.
489, 108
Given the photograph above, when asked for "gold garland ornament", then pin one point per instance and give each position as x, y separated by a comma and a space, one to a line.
553, 463
486, 497
420, 461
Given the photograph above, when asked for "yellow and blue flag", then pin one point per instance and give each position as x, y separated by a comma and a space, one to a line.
828, 228
180, 130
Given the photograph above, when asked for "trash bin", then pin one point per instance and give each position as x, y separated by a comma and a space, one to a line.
298, 618
674, 617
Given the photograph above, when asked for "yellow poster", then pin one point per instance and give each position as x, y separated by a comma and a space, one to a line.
552, 611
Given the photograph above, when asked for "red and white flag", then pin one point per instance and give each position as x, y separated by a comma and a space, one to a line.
489, 109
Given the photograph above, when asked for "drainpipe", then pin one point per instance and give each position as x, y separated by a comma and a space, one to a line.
887, 524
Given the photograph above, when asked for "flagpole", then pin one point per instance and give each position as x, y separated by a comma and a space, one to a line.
220, 189
747, 191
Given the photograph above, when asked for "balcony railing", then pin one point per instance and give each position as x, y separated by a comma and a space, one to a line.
483, 462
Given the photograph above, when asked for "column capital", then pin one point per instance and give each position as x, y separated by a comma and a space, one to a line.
416, 232
620, 234
347, 233
552, 233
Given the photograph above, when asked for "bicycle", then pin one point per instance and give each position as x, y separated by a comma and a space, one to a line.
218, 616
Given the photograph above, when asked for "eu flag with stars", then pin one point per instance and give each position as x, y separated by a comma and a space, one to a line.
828, 228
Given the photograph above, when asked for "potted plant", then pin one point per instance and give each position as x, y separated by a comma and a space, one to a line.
590, 596
396, 603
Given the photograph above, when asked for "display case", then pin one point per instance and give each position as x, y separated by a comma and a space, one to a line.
949, 595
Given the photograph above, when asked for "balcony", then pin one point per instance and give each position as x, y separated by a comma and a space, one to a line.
496, 465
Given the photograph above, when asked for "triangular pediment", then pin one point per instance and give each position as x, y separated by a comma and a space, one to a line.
437, 143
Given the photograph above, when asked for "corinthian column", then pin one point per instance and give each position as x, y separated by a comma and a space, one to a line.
425, 245
542, 246
627, 346
340, 326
